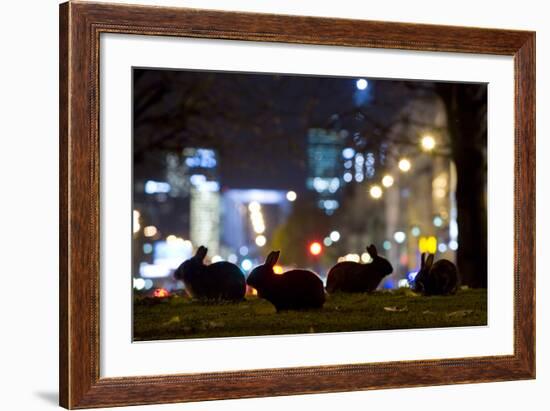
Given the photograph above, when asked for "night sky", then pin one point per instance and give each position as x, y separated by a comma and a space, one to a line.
257, 122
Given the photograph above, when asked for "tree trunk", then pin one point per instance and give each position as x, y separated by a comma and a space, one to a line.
468, 135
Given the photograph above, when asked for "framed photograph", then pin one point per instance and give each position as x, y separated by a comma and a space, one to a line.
259, 205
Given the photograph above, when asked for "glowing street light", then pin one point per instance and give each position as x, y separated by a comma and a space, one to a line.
315, 248
261, 241
362, 84
427, 143
254, 207
375, 192
404, 165
399, 237
291, 196
150, 231
335, 236
387, 181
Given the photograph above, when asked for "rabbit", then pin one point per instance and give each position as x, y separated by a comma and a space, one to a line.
352, 277
439, 278
218, 281
293, 290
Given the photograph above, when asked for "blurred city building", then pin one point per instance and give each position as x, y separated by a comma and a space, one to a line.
324, 151
420, 209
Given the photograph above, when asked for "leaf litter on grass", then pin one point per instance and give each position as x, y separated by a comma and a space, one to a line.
400, 309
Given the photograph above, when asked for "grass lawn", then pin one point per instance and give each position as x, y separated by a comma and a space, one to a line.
179, 317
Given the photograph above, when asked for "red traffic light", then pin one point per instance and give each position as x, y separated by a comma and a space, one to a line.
315, 248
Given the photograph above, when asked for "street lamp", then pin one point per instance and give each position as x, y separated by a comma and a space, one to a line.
315, 248
427, 143
404, 165
399, 237
150, 231
387, 181
375, 192
362, 84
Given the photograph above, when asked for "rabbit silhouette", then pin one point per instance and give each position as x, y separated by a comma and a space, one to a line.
292, 290
352, 277
217, 281
439, 278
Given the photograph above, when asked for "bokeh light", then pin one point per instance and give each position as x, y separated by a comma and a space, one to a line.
387, 181
315, 248
404, 165
427, 143
361, 84
261, 241
375, 191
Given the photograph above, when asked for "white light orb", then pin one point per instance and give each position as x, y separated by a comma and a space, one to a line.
404, 165
427, 143
361, 84
387, 181
399, 237
261, 241
375, 192
348, 153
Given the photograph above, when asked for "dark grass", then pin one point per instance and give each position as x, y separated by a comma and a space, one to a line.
179, 317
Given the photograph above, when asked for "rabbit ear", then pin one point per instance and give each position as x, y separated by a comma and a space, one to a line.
422, 260
430, 261
371, 249
201, 252
272, 258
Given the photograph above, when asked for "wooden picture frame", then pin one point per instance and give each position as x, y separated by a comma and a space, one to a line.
80, 27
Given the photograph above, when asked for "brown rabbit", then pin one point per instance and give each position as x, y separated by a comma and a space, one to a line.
352, 277
439, 278
293, 290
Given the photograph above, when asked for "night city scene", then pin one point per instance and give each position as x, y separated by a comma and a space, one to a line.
268, 204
